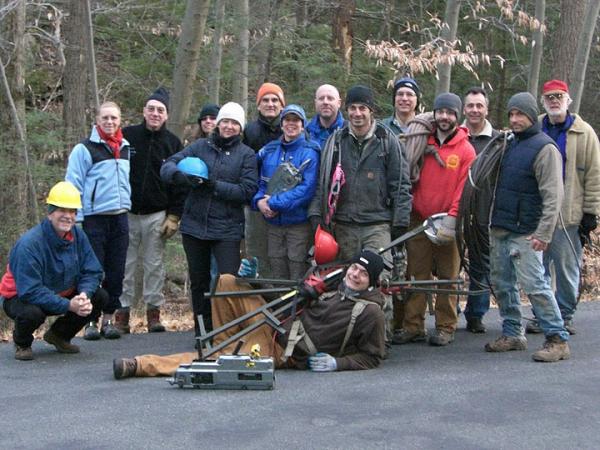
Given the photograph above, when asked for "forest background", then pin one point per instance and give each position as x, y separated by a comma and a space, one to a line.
60, 59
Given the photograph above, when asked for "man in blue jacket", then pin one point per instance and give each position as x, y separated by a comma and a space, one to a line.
53, 270
329, 117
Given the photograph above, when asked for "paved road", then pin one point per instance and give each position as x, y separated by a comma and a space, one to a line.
424, 397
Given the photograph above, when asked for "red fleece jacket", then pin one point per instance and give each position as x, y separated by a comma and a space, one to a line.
439, 188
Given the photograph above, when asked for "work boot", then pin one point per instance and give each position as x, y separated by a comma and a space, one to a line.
153, 318
533, 327
440, 338
507, 343
109, 331
62, 345
124, 368
569, 326
475, 325
554, 349
122, 320
404, 337
91, 333
23, 353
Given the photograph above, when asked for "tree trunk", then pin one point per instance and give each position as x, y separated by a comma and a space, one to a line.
583, 52
566, 38
91, 56
448, 34
75, 75
537, 46
186, 63
273, 17
214, 76
341, 28
240, 81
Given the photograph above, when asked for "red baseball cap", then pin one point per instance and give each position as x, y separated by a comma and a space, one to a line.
554, 86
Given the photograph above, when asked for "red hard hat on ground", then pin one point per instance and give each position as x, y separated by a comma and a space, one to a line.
326, 248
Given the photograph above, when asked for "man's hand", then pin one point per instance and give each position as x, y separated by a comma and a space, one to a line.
447, 231
537, 245
586, 226
248, 268
322, 362
169, 227
263, 207
315, 221
80, 305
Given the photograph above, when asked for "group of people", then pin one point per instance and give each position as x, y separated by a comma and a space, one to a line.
274, 183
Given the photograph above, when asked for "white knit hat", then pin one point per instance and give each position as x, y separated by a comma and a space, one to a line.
233, 111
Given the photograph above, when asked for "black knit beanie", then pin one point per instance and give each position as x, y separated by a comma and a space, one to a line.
372, 262
449, 101
161, 95
210, 109
526, 103
360, 94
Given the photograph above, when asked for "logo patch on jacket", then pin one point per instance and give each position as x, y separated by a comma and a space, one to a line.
452, 162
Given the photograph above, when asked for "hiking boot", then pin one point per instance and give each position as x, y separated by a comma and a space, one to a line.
124, 368
109, 331
404, 337
554, 349
153, 318
91, 333
569, 326
122, 320
62, 345
23, 353
475, 325
507, 343
440, 338
533, 327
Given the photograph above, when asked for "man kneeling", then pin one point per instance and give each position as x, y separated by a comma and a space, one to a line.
341, 330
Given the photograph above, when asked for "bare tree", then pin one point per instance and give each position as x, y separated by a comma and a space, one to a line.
537, 46
592, 10
566, 38
273, 17
341, 29
240, 80
214, 76
448, 34
75, 74
187, 58
91, 56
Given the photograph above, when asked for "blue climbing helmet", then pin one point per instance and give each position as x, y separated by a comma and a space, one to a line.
192, 165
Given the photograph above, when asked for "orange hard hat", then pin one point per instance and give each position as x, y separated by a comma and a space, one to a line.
326, 248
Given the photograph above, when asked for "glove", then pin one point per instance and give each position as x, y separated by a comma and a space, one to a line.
248, 268
315, 221
587, 225
396, 232
322, 362
181, 179
169, 227
205, 184
447, 232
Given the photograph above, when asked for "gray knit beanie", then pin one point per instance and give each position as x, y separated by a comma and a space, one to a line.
449, 101
526, 103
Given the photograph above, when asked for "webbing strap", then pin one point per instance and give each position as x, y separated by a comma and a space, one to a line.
357, 310
297, 334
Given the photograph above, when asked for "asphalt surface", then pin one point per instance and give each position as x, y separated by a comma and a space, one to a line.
423, 397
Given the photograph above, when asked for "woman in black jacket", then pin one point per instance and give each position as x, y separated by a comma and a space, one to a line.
213, 214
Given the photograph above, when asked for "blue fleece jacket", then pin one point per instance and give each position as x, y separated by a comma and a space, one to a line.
319, 134
43, 265
291, 205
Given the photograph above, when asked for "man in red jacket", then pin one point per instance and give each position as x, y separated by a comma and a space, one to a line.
443, 170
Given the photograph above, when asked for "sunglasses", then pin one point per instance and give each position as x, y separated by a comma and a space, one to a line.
551, 97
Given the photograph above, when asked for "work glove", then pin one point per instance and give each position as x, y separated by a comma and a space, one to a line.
315, 221
205, 184
322, 362
447, 231
248, 268
182, 179
396, 232
169, 227
586, 226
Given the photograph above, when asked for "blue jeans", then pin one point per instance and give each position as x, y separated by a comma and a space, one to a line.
513, 260
567, 262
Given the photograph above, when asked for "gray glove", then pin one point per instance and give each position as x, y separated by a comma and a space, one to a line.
322, 362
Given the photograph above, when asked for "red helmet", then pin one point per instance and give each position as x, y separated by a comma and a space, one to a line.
326, 248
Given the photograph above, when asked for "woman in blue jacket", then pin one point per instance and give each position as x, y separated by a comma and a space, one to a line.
284, 200
213, 214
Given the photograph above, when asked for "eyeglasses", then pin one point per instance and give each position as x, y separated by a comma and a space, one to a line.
551, 97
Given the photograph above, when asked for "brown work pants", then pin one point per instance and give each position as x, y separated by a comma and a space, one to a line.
425, 259
224, 310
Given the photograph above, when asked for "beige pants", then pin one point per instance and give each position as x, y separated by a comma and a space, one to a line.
224, 310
